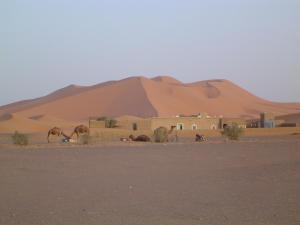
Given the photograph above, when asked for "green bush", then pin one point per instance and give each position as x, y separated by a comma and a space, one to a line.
20, 139
233, 132
160, 134
85, 139
110, 123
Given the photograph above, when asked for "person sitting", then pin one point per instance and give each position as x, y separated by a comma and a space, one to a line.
200, 138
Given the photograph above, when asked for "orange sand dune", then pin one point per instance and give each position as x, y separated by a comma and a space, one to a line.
290, 118
126, 97
11, 122
143, 97
128, 117
167, 79
216, 97
61, 93
51, 121
14, 122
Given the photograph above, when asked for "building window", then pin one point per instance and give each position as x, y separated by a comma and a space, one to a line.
213, 127
134, 126
180, 126
194, 127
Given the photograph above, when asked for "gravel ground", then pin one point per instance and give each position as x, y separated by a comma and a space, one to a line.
252, 182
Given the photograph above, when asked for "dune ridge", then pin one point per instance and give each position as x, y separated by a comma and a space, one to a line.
143, 97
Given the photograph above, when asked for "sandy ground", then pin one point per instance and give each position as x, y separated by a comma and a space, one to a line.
253, 181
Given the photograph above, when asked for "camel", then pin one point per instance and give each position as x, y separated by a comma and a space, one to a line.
56, 131
81, 129
164, 135
172, 137
142, 138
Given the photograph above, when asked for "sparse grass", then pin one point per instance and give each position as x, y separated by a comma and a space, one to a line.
233, 132
160, 135
20, 139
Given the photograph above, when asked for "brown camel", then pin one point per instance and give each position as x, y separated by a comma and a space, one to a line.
142, 138
81, 129
172, 129
57, 132
172, 136
165, 135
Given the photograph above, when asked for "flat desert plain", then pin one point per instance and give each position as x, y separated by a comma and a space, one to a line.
255, 181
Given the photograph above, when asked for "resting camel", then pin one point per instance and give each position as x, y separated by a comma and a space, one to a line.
56, 131
81, 129
142, 138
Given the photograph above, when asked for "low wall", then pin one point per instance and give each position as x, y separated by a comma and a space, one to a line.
271, 131
96, 124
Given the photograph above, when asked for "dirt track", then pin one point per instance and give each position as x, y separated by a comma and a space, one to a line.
176, 184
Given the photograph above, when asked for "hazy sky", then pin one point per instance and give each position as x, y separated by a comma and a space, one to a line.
46, 45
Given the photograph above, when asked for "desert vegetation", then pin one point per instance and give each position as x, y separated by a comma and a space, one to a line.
233, 132
160, 134
20, 139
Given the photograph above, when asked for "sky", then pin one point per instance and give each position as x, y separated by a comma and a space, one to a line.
46, 45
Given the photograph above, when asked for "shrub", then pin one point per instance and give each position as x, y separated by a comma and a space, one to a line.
161, 134
85, 139
233, 132
110, 123
20, 139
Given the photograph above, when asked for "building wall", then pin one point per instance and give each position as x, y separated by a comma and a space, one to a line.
267, 120
228, 122
96, 124
188, 123
267, 116
141, 124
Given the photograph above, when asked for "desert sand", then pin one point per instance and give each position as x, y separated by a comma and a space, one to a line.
253, 181
12, 122
144, 97
290, 118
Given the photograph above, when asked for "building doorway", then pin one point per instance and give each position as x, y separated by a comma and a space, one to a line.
194, 127
180, 126
134, 126
213, 127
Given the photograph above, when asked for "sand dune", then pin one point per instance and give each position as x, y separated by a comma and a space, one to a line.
143, 97
126, 97
167, 79
51, 121
128, 117
216, 97
290, 118
11, 122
